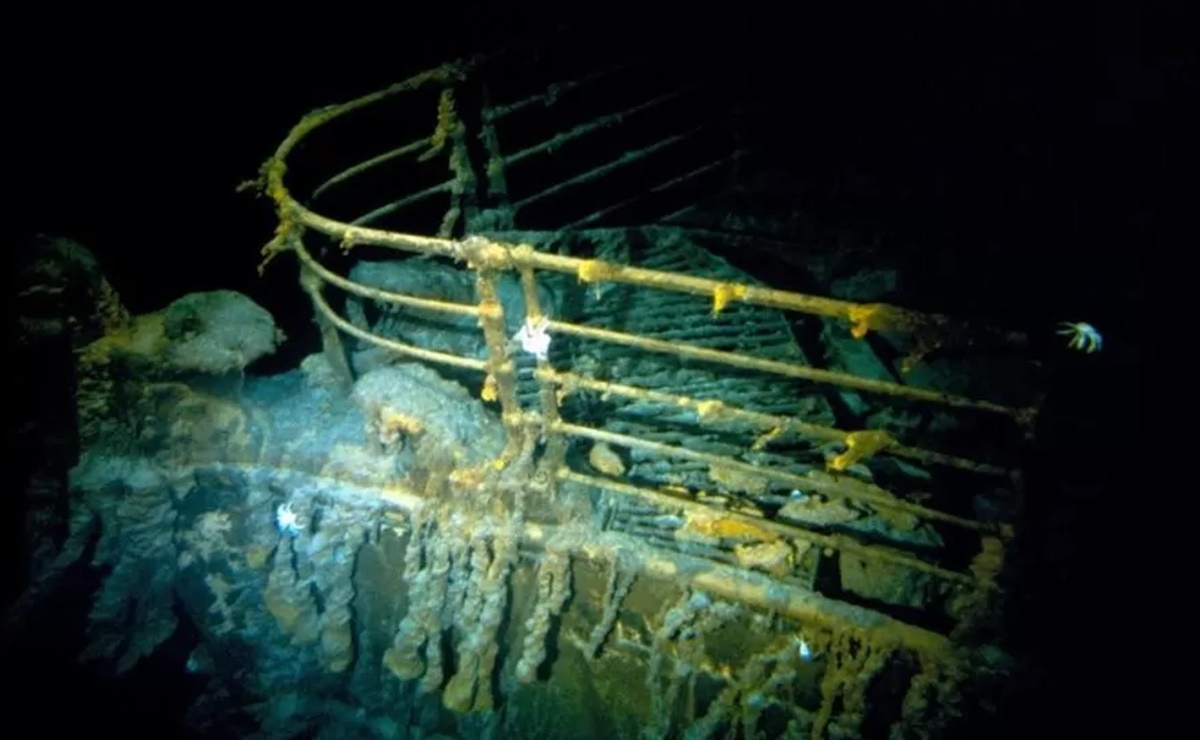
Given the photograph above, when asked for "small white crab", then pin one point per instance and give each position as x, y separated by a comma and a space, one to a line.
288, 521
533, 337
1083, 335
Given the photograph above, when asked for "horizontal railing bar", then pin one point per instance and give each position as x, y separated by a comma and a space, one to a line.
407, 350
834, 542
628, 158
765, 422
584, 129
827, 485
361, 167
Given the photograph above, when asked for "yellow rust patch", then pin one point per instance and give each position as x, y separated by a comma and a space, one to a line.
725, 527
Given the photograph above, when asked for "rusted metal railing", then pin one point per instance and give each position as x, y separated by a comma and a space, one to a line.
489, 258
